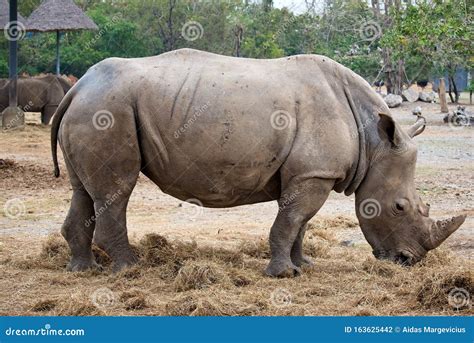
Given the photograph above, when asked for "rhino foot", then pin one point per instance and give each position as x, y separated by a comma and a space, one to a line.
123, 263
282, 269
81, 265
302, 261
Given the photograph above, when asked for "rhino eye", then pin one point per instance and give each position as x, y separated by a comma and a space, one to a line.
399, 207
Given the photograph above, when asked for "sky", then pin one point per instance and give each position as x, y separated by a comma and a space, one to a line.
297, 6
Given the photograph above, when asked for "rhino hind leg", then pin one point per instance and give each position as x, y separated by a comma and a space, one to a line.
299, 203
111, 232
111, 187
78, 230
106, 162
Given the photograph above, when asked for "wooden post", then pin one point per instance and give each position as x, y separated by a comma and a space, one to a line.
58, 59
442, 96
13, 58
13, 117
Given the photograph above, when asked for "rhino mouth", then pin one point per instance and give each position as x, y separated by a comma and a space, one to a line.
403, 257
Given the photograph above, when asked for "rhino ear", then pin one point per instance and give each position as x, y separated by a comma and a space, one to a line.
388, 129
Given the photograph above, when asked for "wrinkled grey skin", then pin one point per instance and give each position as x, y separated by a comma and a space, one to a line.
199, 125
37, 94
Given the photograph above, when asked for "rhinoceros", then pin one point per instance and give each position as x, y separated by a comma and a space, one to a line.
223, 131
37, 94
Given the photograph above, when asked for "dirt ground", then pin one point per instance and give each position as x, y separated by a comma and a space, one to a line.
199, 261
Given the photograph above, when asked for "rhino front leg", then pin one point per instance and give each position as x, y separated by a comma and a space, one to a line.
299, 202
297, 256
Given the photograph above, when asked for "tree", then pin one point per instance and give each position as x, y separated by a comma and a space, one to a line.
438, 34
348, 32
403, 45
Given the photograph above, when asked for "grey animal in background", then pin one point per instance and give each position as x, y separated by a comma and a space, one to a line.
290, 129
37, 94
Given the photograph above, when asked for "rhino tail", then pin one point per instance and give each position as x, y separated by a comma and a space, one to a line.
58, 116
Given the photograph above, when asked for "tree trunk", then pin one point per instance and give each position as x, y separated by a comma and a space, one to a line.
238, 33
450, 90
376, 8
455, 89
388, 70
397, 89
171, 41
442, 96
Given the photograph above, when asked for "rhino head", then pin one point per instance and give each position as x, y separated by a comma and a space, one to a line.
393, 218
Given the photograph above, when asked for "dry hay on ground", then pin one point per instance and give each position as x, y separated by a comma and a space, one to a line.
28, 175
178, 278
332, 223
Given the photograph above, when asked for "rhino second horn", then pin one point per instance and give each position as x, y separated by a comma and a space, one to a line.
442, 229
418, 127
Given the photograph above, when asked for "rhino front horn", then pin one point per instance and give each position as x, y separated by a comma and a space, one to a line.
442, 229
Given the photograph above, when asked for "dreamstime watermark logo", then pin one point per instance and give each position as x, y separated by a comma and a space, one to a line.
285, 26
281, 297
362, 128
370, 31
14, 208
183, 128
194, 207
103, 120
192, 30
47, 330
28, 106
280, 120
14, 31
103, 298
288, 200
459, 298
104, 207
370, 208
16, 121
103, 30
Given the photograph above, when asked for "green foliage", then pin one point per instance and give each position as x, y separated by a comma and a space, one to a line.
437, 34
342, 38
431, 37
470, 87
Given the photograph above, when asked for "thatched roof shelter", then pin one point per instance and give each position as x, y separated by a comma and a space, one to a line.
59, 15
5, 16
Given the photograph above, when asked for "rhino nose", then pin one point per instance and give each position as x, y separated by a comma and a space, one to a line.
405, 259
379, 254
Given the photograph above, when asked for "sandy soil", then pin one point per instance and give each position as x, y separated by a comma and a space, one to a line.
226, 275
